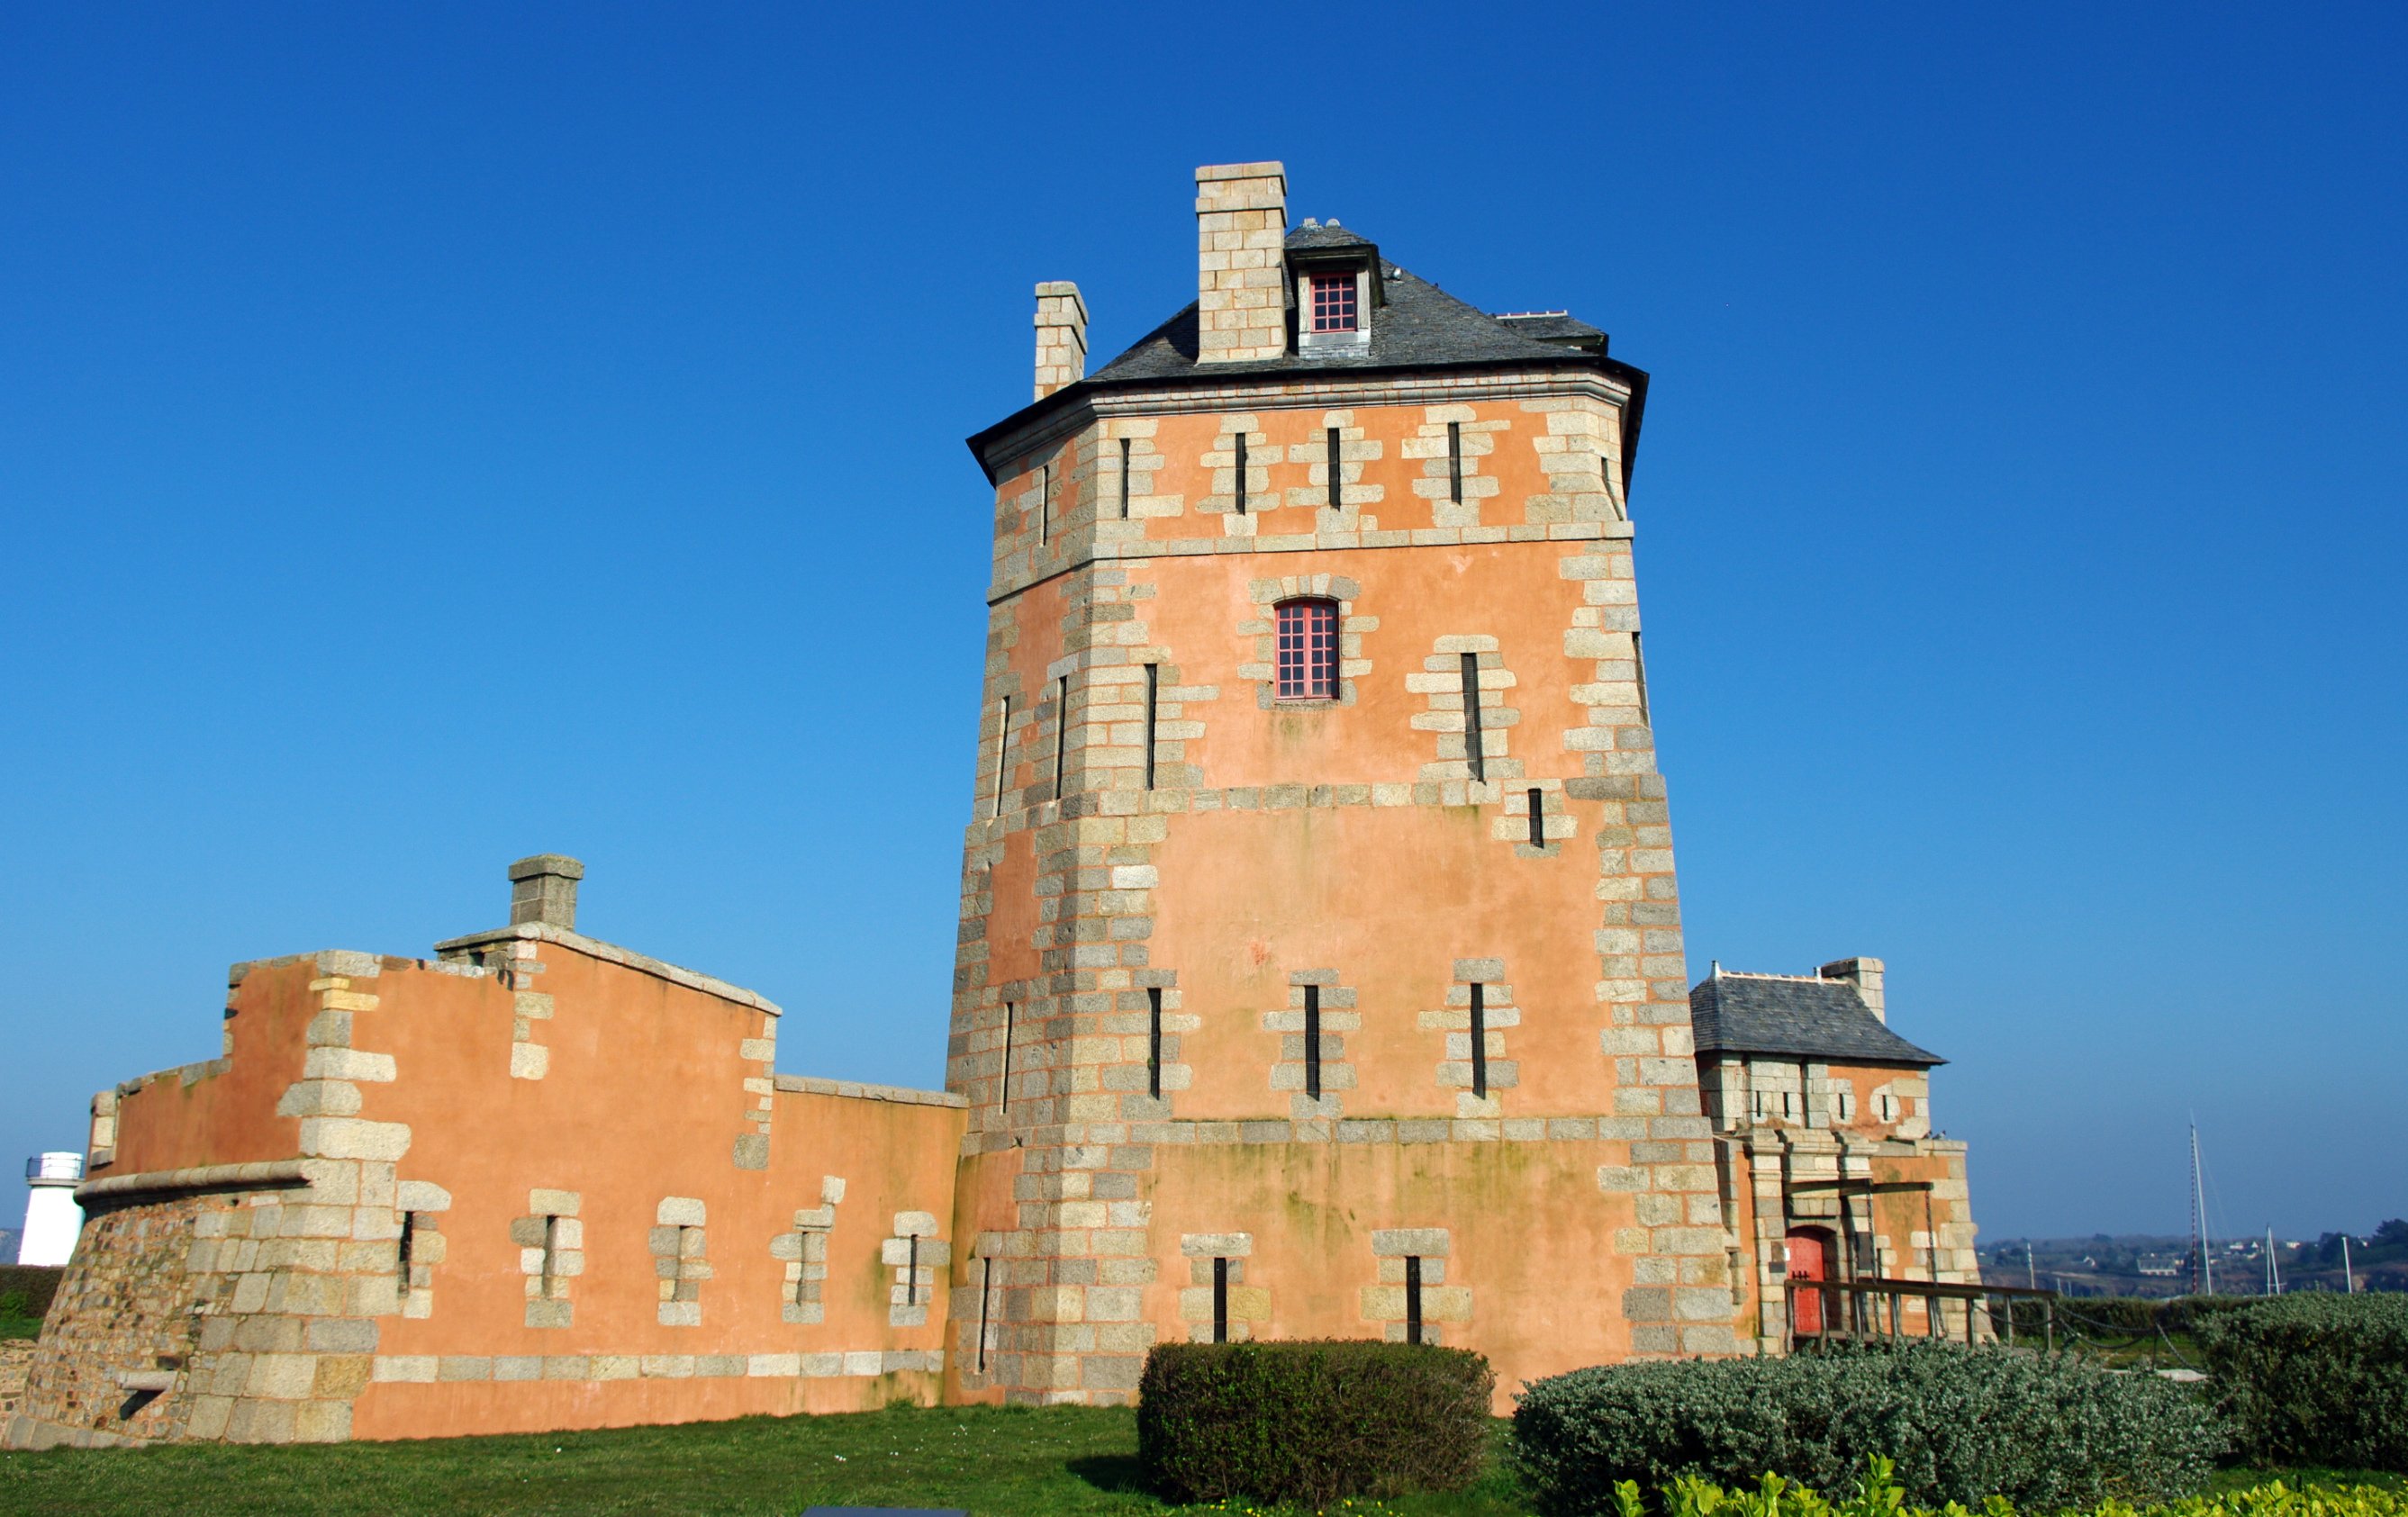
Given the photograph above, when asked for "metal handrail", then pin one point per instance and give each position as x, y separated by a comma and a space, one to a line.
54, 1168
1932, 1291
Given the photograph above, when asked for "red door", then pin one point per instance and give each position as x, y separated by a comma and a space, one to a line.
1809, 1259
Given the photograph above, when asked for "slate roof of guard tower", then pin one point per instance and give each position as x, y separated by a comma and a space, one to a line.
1413, 325
1824, 1020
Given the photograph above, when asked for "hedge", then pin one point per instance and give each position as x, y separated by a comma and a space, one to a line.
26, 1290
1310, 1421
2136, 1315
2314, 1379
1962, 1423
1876, 1493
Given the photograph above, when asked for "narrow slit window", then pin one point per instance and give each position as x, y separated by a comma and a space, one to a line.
1045, 503
547, 1281
986, 1300
1312, 1041
1335, 450
1638, 672
1153, 709
1002, 749
911, 1270
1454, 462
406, 1246
1307, 649
1220, 1300
1479, 1041
1413, 1299
1154, 1041
1241, 474
1125, 458
1011, 1025
1061, 730
1538, 807
1471, 736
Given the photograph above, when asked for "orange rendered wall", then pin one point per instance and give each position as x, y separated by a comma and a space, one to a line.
645, 1087
641, 1101
227, 1116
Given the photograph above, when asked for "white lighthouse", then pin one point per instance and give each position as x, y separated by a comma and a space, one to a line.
52, 1218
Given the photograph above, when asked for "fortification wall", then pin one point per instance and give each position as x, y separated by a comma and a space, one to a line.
545, 1183
16, 1362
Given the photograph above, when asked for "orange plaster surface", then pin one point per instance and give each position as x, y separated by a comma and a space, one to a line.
642, 1101
1418, 597
1249, 897
230, 1117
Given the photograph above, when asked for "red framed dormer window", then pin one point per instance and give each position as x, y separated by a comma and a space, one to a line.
1333, 302
1307, 649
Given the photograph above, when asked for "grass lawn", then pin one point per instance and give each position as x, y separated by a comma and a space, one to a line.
996, 1462
19, 1327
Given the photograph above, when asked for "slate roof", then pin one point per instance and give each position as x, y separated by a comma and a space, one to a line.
1559, 328
1413, 325
1305, 238
1417, 325
1823, 1019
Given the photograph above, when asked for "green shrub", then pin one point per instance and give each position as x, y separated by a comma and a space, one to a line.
2136, 1316
2314, 1379
1310, 1421
1877, 1494
33, 1285
1961, 1423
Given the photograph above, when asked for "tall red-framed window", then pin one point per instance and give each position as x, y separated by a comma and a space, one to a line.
1333, 302
1307, 649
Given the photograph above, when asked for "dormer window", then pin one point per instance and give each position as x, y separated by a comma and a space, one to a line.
1334, 302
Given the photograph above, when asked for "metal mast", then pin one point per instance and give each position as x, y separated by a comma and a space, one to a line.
2198, 1218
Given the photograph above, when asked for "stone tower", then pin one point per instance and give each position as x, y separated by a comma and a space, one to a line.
1320, 970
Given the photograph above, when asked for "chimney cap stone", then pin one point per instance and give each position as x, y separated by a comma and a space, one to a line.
547, 864
1209, 173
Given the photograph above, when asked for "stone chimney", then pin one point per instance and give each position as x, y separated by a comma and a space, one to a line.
544, 889
1865, 975
1241, 263
1061, 336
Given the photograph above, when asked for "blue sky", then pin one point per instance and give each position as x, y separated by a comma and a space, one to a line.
434, 434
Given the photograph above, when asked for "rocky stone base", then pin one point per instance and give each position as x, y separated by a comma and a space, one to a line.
16, 1363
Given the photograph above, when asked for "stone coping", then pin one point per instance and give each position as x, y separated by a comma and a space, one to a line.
1101, 553
267, 1174
1111, 803
543, 931
456, 1368
1400, 1131
1369, 389
860, 1091
183, 1074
